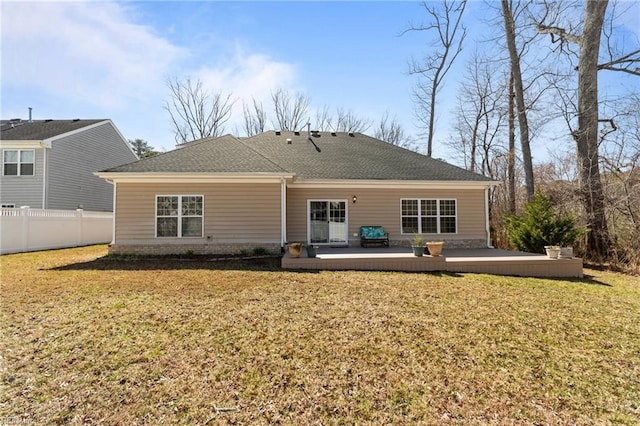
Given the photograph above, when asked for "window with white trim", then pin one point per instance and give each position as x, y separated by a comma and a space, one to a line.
18, 162
179, 216
428, 216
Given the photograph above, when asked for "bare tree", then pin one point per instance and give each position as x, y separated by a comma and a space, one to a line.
255, 118
195, 112
389, 130
518, 92
586, 135
480, 115
511, 151
347, 121
446, 21
291, 111
323, 119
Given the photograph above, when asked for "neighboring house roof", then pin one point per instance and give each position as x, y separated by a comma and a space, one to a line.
37, 130
325, 155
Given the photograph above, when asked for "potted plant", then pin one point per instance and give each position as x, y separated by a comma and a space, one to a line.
295, 249
312, 250
552, 251
435, 247
566, 252
417, 244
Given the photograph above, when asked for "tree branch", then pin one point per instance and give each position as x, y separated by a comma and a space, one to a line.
626, 61
561, 33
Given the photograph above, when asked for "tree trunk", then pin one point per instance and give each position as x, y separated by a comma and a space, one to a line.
510, 32
511, 159
587, 134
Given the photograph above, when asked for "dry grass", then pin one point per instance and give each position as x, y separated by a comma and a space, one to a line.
87, 340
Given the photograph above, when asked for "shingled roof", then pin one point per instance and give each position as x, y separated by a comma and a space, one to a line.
323, 155
225, 154
38, 130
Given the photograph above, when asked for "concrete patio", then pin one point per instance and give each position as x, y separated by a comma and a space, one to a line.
487, 261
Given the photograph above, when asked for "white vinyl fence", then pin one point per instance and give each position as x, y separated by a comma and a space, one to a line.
27, 229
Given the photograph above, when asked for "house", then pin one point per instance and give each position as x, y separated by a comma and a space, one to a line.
49, 164
226, 194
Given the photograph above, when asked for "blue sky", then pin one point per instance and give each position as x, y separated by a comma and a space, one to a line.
111, 59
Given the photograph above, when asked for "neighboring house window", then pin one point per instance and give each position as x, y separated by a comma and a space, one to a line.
18, 162
179, 215
428, 216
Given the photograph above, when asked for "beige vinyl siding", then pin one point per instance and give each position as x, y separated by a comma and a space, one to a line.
24, 190
233, 213
72, 162
382, 207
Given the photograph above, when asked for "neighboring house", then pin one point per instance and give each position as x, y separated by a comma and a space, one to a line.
50, 164
225, 194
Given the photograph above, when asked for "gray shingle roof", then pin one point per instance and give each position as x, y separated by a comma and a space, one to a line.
353, 156
225, 154
327, 156
39, 130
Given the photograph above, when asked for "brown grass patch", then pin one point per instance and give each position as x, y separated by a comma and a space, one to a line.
87, 340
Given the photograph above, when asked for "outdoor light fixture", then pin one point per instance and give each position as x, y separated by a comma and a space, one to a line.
354, 199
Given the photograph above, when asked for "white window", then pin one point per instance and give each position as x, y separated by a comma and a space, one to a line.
428, 216
179, 215
18, 162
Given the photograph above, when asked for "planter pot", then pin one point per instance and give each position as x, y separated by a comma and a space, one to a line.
566, 252
312, 251
435, 248
552, 251
295, 249
418, 250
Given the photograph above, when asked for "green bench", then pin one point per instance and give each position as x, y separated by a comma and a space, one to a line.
373, 235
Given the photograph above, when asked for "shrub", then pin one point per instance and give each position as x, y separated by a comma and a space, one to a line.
260, 251
540, 226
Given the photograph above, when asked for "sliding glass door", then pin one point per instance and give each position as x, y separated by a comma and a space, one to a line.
328, 222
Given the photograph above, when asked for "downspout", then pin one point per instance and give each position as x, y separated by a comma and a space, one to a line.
486, 215
283, 213
113, 238
44, 175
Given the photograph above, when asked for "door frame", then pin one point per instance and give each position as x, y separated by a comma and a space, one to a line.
346, 220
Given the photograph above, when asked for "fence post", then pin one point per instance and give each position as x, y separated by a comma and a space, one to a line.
24, 224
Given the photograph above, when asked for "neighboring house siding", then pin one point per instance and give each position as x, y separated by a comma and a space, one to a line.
24, 190
382, 207
72, 162
233, 214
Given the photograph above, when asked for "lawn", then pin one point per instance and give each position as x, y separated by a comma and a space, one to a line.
92, 340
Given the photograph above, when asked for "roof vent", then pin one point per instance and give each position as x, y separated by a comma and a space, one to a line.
289, 141
334, 134
297, 133
315, 133
352, 134
278, 132
48, 120
76, 119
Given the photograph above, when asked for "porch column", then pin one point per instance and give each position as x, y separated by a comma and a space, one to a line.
486, 216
